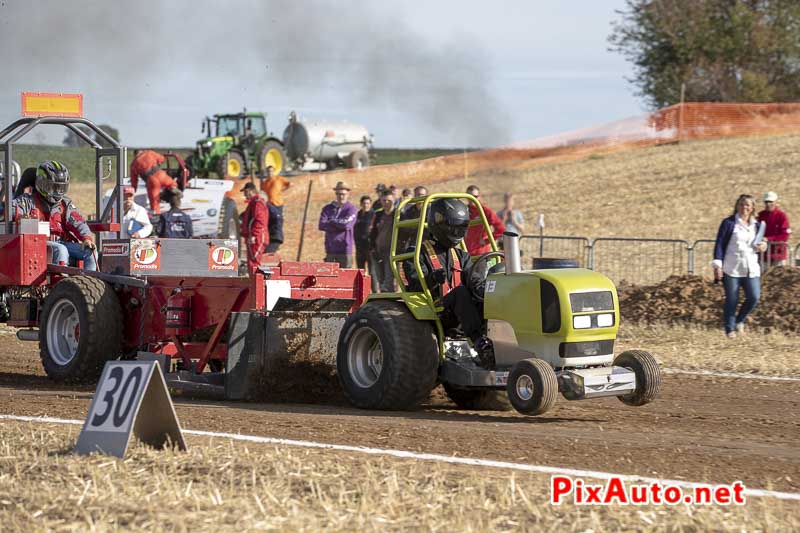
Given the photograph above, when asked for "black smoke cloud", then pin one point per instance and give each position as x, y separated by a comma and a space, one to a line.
126, 50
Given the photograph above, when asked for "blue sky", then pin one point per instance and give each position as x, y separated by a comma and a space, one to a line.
417, 74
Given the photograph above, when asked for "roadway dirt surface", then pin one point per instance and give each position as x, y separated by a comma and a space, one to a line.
701, 428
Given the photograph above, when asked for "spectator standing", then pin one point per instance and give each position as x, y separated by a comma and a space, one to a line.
361, 232
736, 263
476, 240
406, 236
380, 238
135, 222
255, 226
337, 220
512, 218
174, 224
274, 186
379, 190
405, 195
777, 230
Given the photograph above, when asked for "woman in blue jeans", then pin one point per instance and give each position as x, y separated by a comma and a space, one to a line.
736, 263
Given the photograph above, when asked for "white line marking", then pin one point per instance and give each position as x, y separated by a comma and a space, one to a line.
737, 375
403, 454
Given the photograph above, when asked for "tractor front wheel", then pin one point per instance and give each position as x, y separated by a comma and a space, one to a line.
231, 166
478, 399
648, 376
386, 358
80, 329
532, 386
271, 154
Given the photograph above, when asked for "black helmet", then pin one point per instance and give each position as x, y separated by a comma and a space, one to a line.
52, 181
448, 220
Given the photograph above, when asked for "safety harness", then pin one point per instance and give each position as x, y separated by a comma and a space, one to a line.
447, 286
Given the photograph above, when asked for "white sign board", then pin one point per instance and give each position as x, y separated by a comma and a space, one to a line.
131, 398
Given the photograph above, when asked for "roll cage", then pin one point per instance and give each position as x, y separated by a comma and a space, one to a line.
108, 220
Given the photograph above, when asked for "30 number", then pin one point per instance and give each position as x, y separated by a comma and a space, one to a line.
119, 417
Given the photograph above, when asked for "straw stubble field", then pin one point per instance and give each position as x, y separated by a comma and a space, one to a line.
233, 486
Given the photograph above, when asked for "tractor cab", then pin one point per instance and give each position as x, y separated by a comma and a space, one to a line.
240, 124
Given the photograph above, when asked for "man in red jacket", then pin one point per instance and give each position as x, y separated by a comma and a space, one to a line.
777, 230
476, 240
255, 223
147, 165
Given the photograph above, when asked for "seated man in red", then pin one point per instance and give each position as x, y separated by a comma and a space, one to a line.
147, 165
70, 236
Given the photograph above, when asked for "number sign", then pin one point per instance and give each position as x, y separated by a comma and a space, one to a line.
131, 398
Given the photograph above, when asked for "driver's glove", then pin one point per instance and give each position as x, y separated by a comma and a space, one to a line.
439, 276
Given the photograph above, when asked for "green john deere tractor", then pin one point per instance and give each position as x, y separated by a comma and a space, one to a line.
236, 145
553, 331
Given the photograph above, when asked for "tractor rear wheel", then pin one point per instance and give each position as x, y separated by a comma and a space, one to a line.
387, 359
80, 329
271, 154
532, 386
228, 220
648, 376
478, 399
231, 166
358, 159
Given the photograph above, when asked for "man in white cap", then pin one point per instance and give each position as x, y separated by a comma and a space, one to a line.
777, 230
135, 222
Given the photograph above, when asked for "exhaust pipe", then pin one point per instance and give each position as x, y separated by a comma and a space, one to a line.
28, 334
511, 252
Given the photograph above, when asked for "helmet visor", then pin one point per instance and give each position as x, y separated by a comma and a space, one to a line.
56, 189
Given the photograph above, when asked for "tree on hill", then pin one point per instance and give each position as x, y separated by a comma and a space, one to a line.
722, 50
71, 139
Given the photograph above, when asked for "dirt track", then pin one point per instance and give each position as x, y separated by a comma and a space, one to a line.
701, 429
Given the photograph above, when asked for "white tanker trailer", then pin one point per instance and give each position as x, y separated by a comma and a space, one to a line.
325, 145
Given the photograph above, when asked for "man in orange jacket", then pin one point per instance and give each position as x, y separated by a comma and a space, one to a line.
147, 165
255, 221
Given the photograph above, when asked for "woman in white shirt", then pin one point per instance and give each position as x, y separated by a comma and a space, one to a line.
736, 263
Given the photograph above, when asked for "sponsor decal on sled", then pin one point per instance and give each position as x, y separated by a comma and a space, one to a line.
221, 258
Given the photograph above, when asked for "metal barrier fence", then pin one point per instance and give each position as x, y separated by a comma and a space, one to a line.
576, 248
640, 261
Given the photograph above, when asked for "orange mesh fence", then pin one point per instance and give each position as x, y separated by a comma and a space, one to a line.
704, 121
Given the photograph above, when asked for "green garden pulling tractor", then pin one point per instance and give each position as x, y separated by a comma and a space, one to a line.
553, 331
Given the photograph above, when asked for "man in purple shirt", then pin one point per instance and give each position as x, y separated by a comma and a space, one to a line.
337, 220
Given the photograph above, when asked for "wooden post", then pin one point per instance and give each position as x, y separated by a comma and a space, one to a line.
680, 113
305, 217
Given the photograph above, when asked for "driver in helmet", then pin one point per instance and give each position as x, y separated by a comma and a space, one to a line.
448, 274
70, 236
